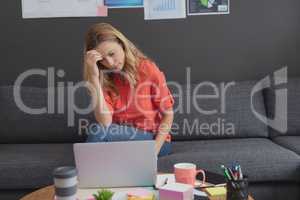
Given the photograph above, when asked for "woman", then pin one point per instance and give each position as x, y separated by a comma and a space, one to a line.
129, 92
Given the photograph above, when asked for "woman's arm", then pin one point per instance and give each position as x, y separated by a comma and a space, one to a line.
101, 112
164, 129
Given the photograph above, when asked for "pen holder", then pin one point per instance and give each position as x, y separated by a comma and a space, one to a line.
237, 189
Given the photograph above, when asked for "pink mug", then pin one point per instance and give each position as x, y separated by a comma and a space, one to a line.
187, 172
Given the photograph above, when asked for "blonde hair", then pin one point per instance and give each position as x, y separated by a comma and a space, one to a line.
103, 32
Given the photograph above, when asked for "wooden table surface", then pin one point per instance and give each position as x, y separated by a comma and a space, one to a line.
47, 193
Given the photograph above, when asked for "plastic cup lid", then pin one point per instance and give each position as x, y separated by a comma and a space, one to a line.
65, 172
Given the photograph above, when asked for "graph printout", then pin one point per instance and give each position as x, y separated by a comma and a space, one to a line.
164, 9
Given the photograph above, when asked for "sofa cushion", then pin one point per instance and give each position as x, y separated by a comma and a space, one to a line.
231, 115
289, 142
260, 158
29, 166
18, 126
293, 107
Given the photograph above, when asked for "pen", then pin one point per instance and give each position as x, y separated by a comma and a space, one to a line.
235, 170
226, 174
240, 173
233, 176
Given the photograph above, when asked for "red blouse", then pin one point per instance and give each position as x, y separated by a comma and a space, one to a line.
141, 106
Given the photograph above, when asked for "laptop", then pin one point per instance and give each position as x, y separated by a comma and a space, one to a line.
116, 164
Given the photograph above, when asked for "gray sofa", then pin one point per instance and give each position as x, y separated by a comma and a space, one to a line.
31, 146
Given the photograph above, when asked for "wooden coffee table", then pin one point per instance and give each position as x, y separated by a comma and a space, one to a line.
47, 193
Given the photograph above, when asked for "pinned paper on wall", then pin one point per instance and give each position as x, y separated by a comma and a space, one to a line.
164, 9
102, 11
208, 7
65, 8
124, 3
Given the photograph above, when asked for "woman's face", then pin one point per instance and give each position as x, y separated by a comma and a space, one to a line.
113, 55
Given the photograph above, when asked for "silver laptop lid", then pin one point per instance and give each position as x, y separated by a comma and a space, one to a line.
116, 164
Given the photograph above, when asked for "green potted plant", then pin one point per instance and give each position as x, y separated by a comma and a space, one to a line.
103, 195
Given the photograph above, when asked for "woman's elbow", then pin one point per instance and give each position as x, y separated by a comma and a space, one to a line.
104, 121
169, 112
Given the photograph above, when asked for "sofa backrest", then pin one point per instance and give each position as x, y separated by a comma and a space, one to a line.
18, 126
293, 107
226, 113
231, 117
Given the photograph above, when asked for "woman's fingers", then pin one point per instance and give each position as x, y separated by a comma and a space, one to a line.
98, 58
93, 52
93, 58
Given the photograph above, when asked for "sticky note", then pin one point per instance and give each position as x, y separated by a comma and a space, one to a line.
216, 191
140, 194
140, 198
102, 11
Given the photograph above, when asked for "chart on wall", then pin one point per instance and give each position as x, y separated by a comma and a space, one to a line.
124, 3
62, 8
208, 7
164, 9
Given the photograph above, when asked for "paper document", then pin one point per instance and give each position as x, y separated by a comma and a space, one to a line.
124, 3
119, 193
164, 9
199, 193
207, 7
65, 8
